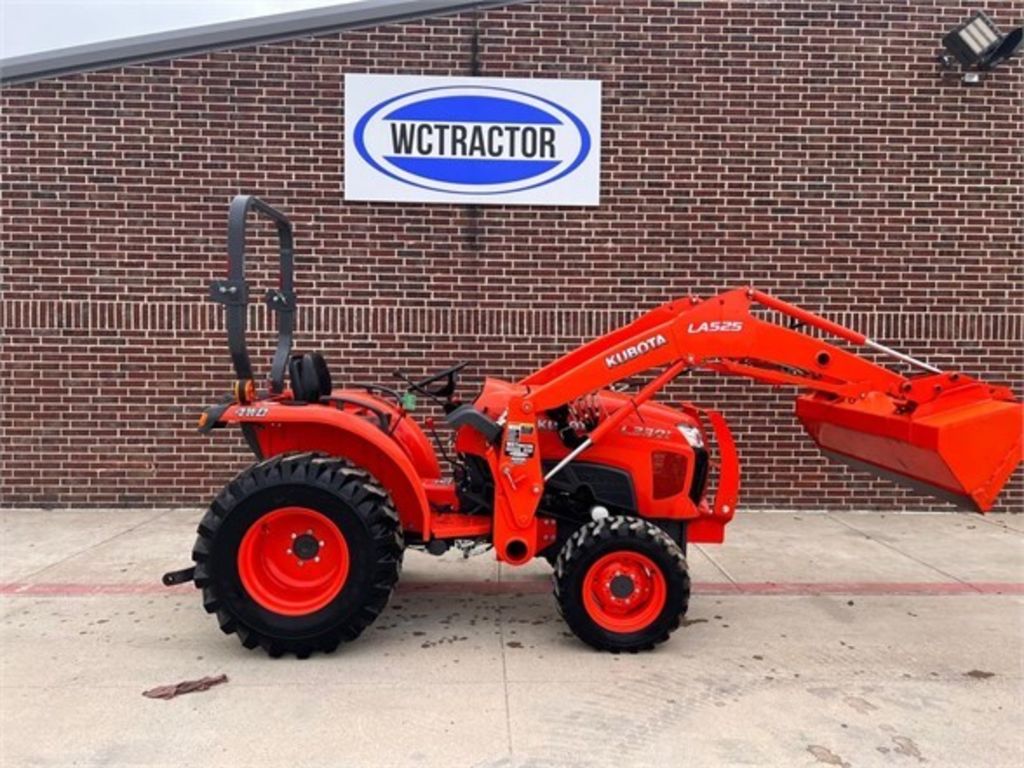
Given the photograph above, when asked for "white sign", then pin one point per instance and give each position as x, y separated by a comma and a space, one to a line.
472, 140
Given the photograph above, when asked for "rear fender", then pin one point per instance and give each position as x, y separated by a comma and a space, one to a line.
279, 428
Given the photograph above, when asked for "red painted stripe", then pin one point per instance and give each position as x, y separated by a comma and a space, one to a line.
74, 589
535, 586
867, 588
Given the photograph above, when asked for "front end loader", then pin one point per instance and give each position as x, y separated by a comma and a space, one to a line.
301, 551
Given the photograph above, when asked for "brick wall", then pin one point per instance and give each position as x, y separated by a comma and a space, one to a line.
809, 148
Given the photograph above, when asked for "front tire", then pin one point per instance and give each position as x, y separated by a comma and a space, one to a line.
622, 584
298, 554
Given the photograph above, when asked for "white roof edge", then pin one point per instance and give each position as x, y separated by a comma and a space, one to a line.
230, 34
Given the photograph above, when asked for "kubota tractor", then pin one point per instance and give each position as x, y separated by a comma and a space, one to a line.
302, 550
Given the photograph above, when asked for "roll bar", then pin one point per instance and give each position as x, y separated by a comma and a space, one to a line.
233, 292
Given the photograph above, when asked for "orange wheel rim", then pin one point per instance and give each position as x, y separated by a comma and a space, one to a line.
293, 561
624, 591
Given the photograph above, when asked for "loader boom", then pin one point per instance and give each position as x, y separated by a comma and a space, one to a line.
910, 427
718, 334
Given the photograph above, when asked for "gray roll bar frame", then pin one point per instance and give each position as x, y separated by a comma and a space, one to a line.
233, 292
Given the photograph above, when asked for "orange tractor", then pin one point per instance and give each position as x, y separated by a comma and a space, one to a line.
302, 550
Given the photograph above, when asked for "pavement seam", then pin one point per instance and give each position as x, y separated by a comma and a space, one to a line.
21, 609
93, 546
720, 568
998, 524
504, 664
899, 551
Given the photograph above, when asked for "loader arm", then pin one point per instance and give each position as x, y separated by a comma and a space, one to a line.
719, 334
942, 432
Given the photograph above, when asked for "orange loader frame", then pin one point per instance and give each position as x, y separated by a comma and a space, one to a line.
851, 407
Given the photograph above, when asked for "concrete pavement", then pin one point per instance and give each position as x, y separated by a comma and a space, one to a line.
812, 639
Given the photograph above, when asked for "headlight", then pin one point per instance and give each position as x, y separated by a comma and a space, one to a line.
691, 434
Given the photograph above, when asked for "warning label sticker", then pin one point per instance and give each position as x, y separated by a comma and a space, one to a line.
519, 444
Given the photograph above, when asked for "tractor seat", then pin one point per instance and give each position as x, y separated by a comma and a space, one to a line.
311, 379
468, 416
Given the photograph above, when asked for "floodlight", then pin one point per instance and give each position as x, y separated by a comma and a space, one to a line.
978, 44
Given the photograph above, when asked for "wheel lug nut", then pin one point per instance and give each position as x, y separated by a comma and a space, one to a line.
295, 535
316, 559
287, 551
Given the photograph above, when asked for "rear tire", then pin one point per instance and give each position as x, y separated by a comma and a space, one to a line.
298, 554
622, 584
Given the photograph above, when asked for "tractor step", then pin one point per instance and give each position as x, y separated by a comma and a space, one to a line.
456, 526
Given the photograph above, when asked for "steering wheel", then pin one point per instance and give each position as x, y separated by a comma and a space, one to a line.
445, 391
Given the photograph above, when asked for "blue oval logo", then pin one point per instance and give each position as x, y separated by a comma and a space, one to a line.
480, 140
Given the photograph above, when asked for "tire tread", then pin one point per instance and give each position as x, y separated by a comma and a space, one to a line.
578, 548
360, 492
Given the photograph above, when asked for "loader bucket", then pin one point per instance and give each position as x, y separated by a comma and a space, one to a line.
961, 446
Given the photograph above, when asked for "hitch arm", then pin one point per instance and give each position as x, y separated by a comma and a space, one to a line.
172, 578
